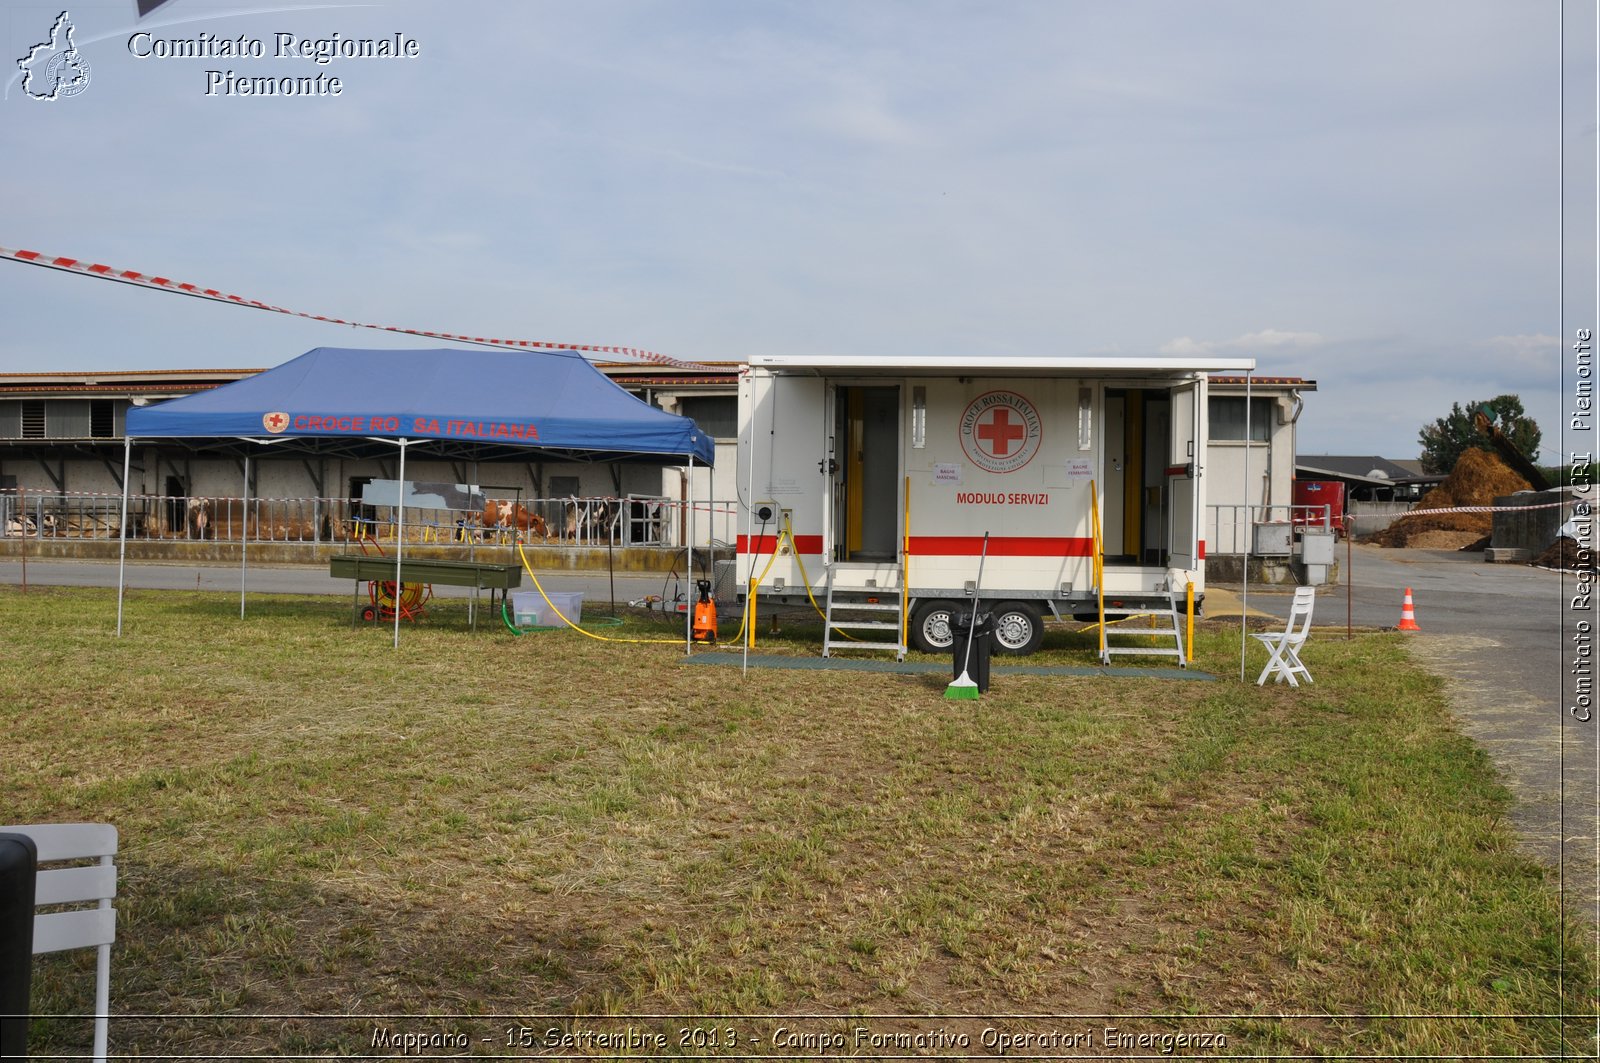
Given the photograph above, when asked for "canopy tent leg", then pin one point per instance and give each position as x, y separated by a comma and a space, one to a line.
472, 553
1249, 534
688, 611
399, 544
122, 550
244, 534
711, 529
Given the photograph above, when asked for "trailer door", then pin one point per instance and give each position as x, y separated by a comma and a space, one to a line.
784, 449
1183, 476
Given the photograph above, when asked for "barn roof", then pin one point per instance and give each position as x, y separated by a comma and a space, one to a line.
1363, 468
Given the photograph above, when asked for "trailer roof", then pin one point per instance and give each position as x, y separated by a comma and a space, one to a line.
990, 365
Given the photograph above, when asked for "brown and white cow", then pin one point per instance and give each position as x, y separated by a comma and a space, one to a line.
589, 520
507, 515
199, 517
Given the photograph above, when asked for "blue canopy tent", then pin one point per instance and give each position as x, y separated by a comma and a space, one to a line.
473, 405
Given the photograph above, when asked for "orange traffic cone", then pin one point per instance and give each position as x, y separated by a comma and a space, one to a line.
1408, 614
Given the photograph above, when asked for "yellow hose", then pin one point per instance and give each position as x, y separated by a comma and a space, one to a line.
590, 634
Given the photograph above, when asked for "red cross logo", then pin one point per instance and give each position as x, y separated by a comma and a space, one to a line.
1000, 433
275, 422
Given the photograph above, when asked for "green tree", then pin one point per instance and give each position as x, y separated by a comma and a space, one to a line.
1444, 440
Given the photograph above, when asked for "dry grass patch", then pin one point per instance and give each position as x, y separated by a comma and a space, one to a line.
479, 824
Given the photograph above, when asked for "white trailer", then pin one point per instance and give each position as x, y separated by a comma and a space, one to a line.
871, 483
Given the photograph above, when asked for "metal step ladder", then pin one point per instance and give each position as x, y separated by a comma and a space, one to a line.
854, 606
1168, 625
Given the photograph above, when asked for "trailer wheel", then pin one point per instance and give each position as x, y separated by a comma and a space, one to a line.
930, 626
1018, 628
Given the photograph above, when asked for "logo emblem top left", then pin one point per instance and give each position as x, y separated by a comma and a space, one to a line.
54, 69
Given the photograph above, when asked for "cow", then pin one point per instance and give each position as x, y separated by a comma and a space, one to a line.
587, 521
26, 525
225, 519
500, 513
199, 517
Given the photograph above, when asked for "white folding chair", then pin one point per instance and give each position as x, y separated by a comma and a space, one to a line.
62, 888
1284, 664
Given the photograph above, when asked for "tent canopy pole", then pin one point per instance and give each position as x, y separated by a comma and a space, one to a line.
122, 550
1249, 533
688, 610
244, 534
399, 543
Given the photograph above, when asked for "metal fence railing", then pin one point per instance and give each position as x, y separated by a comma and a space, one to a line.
1238, 529
636, 520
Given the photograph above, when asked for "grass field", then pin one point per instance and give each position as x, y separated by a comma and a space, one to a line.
318, 828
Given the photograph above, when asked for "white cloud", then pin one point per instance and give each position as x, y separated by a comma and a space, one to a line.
862, 114
1266, 339
1538, 350
1183, 346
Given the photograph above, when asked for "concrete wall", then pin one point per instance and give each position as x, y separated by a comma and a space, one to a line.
1530, 530
1371, 517
1225, 571
1240, 473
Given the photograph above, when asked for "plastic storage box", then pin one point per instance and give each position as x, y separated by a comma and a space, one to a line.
529, 608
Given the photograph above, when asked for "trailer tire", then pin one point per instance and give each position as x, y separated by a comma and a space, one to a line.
1018, 628
931, 629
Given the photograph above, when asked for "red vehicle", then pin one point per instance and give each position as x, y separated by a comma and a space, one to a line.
1309, 498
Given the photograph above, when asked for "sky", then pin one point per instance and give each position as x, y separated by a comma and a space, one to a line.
1389, 198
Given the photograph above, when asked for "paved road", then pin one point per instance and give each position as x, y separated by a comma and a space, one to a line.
1499, 635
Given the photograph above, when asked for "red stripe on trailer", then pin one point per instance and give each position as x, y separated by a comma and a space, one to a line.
1003, 545
765, 544
1201, 547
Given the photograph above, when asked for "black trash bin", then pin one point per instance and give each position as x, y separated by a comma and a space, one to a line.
19, 863
982, 637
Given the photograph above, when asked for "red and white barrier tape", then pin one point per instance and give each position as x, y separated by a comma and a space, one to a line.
1485, 509
145, 280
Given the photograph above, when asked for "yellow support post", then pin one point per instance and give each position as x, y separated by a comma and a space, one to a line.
1097, 567
1188, 653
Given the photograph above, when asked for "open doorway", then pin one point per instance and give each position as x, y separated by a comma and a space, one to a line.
176, 504
868, 486
1138, 440
363, 518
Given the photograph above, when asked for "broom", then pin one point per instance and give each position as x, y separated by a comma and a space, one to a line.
963, 688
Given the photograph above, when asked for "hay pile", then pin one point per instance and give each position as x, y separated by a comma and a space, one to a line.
1477, 480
